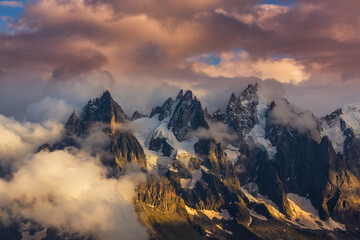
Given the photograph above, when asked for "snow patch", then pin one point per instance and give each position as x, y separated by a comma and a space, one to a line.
257, 133
224, 214
306, 216
307, 220
335, 225
146, 129
255, 214
232, 153
335, 135
205, 169
303, 202
351, 116
191, 182
268, 203
227, 231
191, 211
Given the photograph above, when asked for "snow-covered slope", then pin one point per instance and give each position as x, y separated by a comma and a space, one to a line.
246, 115
334, 125
257, 133
305, 215
146, 129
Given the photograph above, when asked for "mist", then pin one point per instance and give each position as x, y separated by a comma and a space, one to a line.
65, 189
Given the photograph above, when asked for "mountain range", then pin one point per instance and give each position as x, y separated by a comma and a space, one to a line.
259, 170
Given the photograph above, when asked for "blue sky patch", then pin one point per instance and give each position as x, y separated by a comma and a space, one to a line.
13, 12
211, 59
277, 2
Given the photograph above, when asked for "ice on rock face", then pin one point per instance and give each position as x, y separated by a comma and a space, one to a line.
334, 125
351, 117
232, 153
335, 134
246, 114
257, 133
148, 128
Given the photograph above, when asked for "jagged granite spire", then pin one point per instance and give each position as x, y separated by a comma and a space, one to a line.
180, 95
164, 111
137, 115
185, 114
73, 125
240, 113
124, 147
104, 109
188, 115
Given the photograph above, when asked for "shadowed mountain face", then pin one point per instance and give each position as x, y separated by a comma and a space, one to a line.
241, 112
278, 179
185, 114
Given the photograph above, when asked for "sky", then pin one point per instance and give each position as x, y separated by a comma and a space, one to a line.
57, 54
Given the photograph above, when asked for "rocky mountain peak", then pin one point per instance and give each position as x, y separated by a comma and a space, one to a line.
123, 147
137, 115
188, 95
72, 119
180, 95
241, 112
232, 99
104, 109
331, 118
164, 111
187, 115
182, 115
72, 126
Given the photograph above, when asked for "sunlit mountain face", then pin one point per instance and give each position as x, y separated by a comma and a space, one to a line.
175, 119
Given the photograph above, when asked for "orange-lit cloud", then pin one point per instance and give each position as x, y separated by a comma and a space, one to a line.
232, 65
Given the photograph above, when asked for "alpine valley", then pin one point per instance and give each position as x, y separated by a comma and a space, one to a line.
261, 169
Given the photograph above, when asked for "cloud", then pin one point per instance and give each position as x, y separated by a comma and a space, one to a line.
68, 190
112, 35
19, 139
219, 131
97, 140
271, 90
241, 64
11, 4
286, 114
49, 109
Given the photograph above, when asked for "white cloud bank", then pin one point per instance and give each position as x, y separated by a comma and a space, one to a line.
18, 139
65, 189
